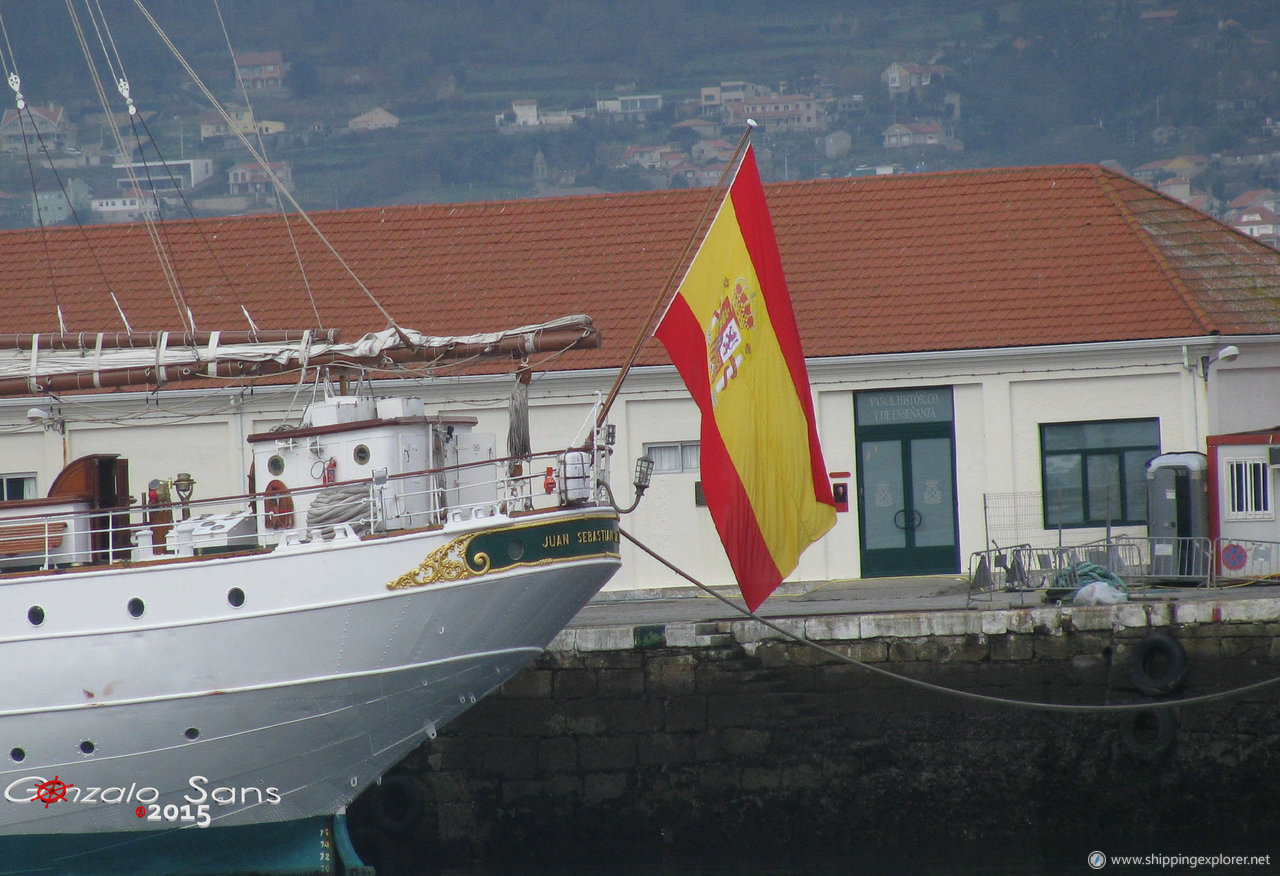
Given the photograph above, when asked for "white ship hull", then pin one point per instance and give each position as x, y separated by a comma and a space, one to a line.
284, 707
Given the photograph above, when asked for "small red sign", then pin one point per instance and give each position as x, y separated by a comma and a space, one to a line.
1234, 557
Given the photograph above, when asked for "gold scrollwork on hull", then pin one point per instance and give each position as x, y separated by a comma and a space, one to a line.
446, 563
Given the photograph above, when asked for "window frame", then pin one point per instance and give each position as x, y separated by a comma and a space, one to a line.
1115, 455
683, 446
1249, 492
29, 485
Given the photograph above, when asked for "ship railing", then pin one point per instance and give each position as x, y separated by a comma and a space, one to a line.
477, 490
44, 535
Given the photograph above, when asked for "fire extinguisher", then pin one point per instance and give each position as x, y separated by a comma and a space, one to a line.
549, 483
331, 471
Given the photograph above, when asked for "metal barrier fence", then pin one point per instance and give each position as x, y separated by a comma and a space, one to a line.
1242, 559
1134, 559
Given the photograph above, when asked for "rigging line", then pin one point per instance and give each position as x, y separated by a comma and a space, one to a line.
11, 57
15, 82
6, 55
162, 257
281, 190
158, 231
1105, 708
177, 188
204, 238
114, 52
174, 292
293, 241
35, 195
11, 70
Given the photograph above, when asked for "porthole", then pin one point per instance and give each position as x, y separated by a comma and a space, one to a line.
275, 464
136, 607
17, 755
515, 549
87, 747
235, 596
192, 733
35, 614
361, 454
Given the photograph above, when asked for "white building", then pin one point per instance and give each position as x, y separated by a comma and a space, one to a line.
131, 205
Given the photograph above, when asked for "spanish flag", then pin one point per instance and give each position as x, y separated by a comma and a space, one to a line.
731, 332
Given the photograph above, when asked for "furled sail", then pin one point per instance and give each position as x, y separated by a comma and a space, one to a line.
33, 364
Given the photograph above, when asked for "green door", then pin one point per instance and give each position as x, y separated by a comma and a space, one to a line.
906, 483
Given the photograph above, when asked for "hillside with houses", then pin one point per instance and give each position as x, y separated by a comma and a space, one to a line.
354, 110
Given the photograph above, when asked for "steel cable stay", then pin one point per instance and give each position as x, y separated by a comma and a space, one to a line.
106, 41
1032, 705
257, 155
166, 267
293, 242
15, 82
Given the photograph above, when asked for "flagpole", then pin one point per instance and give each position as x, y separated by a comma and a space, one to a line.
671, 277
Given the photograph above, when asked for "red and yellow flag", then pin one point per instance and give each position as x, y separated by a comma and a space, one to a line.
731, 332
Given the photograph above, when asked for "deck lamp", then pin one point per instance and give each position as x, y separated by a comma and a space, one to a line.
644, 474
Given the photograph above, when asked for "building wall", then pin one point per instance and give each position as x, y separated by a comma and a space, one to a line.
1000, 398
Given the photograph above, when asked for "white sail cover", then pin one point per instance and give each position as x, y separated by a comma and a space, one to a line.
34, 365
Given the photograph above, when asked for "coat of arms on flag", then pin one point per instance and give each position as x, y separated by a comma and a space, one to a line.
727, 344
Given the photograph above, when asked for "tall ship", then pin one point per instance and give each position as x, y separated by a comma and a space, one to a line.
206, 673
190, 662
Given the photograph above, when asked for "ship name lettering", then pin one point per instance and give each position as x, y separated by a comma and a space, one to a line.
558, 540
593, 535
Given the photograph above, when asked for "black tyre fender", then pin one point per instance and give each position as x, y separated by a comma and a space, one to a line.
1158, 664
398, 804
1148, 733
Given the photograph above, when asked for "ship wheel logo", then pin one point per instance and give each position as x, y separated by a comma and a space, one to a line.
51, 791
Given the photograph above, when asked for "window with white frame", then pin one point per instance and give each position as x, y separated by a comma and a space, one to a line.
674, 457
1248, 486
17, 486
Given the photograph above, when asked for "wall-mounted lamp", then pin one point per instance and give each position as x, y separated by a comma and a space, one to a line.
1226, 354
51, 422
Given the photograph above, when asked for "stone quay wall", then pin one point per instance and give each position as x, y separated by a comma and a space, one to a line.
682, 741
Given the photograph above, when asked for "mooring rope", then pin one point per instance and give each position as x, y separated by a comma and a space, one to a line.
949, 691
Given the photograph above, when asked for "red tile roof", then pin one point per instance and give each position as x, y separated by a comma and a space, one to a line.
924, 262
1249, 198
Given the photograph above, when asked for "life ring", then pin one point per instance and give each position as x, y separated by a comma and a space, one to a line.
277, 506
1148, 733
398, 803
1158, 664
